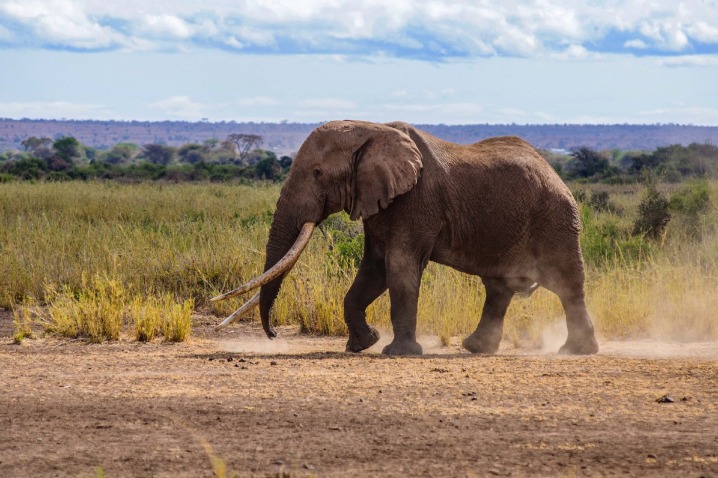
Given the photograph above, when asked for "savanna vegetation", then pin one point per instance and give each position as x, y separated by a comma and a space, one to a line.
237, 158
103, 260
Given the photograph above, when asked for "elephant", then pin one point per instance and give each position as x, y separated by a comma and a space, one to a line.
495, 209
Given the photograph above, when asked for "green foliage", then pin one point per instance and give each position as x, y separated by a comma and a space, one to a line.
587, 163
121, 153
263, 218
653, 214
691, 204
67, 149
347, 240
605, 242
693, 198
159, 154
27, 168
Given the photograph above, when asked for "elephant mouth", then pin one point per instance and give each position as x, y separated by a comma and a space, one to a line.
283, 265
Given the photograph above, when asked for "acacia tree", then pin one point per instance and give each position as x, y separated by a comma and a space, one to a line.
243, 144
33, 143
587, 162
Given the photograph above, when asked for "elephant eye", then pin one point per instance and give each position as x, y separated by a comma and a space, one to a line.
317, 173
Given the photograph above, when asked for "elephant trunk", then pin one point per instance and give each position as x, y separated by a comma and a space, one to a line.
281, 257
285, 244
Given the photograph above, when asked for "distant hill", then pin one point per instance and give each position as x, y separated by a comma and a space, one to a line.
285, 138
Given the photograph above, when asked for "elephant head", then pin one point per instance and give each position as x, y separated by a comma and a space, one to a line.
353, 166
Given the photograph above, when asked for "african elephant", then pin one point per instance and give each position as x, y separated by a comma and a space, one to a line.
495, 209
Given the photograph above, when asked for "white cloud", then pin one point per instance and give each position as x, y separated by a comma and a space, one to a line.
426, 29
61, 22
636, 43
166, 26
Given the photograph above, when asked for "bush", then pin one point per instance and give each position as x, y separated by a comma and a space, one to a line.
692, 199
653, 215
601, 201
692, 202
347, 240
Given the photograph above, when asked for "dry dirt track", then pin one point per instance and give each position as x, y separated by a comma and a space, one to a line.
133, 409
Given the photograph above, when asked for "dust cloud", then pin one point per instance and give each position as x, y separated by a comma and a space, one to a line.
258, 345
666, 339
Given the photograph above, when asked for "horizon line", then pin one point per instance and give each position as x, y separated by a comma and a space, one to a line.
285, 122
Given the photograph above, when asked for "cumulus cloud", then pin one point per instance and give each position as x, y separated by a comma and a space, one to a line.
434, 30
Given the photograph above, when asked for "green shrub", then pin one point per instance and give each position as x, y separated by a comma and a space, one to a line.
601, 201
693, 198
653, 214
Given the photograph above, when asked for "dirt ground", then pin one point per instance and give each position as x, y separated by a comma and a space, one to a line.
298, 406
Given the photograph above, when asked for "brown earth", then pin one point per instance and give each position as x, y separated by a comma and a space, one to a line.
299, 406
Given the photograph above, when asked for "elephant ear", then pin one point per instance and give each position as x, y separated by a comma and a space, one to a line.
386, 165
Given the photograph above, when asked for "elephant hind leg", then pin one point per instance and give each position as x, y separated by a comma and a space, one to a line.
566, 279
487, 336
581, 339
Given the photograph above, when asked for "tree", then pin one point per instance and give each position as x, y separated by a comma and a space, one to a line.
121, 153
243, 144
32, 143
158, 154
268, 168
38, 147
285, 162
67, 149
193, 153
587, 163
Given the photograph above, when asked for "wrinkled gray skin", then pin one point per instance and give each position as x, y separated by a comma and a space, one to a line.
494, 209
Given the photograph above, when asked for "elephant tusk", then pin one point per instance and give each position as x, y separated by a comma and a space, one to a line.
242, 311
284, 264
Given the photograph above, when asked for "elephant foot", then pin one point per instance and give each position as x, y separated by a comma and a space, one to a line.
357, 343
579, 346
403, 347
482, 343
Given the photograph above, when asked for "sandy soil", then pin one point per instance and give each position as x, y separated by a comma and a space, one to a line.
298, 406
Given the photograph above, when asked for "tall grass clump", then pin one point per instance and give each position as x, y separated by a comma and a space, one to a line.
176, 323
94, 312
161, 315
22, 320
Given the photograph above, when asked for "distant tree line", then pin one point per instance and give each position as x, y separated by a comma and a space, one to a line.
65, 158
239, 157
669, 163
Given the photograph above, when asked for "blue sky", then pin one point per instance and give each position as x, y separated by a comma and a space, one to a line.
438, 61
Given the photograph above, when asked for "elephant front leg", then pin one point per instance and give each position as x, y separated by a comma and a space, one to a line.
369, 284
404, 277
487, 336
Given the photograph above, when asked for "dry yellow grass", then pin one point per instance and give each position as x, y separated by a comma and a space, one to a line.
170, 243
